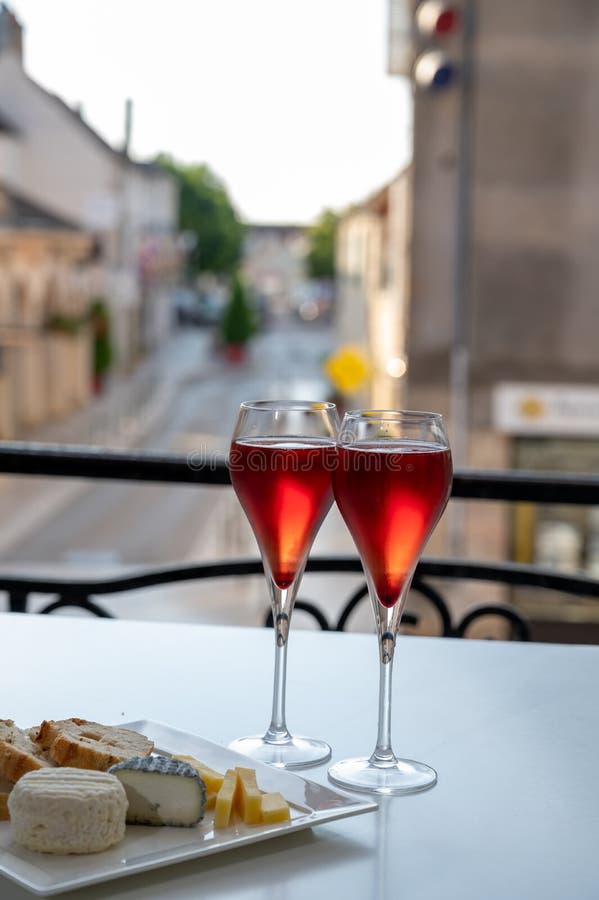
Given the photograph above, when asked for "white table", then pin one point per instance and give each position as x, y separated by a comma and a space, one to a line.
512, 729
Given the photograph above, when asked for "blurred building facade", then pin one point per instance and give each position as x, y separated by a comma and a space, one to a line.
372, 270
523, 384
117, 224
44, 372
274, 265
499, 292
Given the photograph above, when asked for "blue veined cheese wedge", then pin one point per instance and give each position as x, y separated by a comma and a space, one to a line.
161, 791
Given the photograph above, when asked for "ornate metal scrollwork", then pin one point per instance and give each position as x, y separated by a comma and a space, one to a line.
519, 628
100, 463
70, 593
83, 603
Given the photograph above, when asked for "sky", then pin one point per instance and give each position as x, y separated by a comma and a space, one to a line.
288, 101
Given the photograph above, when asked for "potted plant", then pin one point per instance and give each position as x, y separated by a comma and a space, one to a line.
237, 324
103, 356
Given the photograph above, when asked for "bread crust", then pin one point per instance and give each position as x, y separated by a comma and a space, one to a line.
18, 753
88, 745
5, 789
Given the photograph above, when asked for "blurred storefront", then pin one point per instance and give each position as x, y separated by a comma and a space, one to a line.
553, 428
46, 282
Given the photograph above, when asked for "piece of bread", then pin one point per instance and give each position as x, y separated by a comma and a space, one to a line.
67, 811
18, 753
89, 745
5, 789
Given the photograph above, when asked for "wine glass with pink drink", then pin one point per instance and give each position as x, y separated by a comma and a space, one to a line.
391, 481
280, 461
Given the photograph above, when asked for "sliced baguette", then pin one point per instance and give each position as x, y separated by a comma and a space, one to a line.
5, 789
18, 753
89, 745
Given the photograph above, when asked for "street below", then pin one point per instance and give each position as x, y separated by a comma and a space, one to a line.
98, 529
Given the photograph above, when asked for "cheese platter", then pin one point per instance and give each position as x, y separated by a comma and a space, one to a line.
145, 847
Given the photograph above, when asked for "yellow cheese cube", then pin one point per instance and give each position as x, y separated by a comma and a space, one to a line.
250, 797
275, 808
212, 779
210, 799
226, 799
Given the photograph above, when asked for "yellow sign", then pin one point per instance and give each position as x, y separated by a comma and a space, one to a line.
348, 369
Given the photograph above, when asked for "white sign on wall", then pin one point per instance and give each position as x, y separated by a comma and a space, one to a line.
546, 409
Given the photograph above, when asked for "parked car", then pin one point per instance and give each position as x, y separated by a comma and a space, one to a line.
199, 309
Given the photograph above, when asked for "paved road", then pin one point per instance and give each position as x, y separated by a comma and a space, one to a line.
106, 526
160, 524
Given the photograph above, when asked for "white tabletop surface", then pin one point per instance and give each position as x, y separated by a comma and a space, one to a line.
512, 729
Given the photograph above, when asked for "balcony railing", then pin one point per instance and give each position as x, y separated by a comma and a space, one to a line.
100, 463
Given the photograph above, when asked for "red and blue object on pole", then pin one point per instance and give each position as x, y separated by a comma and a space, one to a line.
434, 18
435, 22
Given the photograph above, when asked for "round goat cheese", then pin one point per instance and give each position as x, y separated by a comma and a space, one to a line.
67, 810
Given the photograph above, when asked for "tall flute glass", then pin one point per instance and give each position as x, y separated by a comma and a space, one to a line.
280, 461
391, 482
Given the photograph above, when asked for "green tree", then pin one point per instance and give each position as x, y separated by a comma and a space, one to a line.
206, 211
321, 239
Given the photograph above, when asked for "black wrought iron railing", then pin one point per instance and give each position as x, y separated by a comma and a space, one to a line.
211, 470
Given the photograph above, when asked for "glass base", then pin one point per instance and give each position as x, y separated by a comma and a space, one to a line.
289, 753
404, 776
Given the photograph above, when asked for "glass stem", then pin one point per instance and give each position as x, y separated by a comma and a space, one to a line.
383, 753
282, 603
387, 620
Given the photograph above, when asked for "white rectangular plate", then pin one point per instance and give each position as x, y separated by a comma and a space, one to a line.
146, 848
